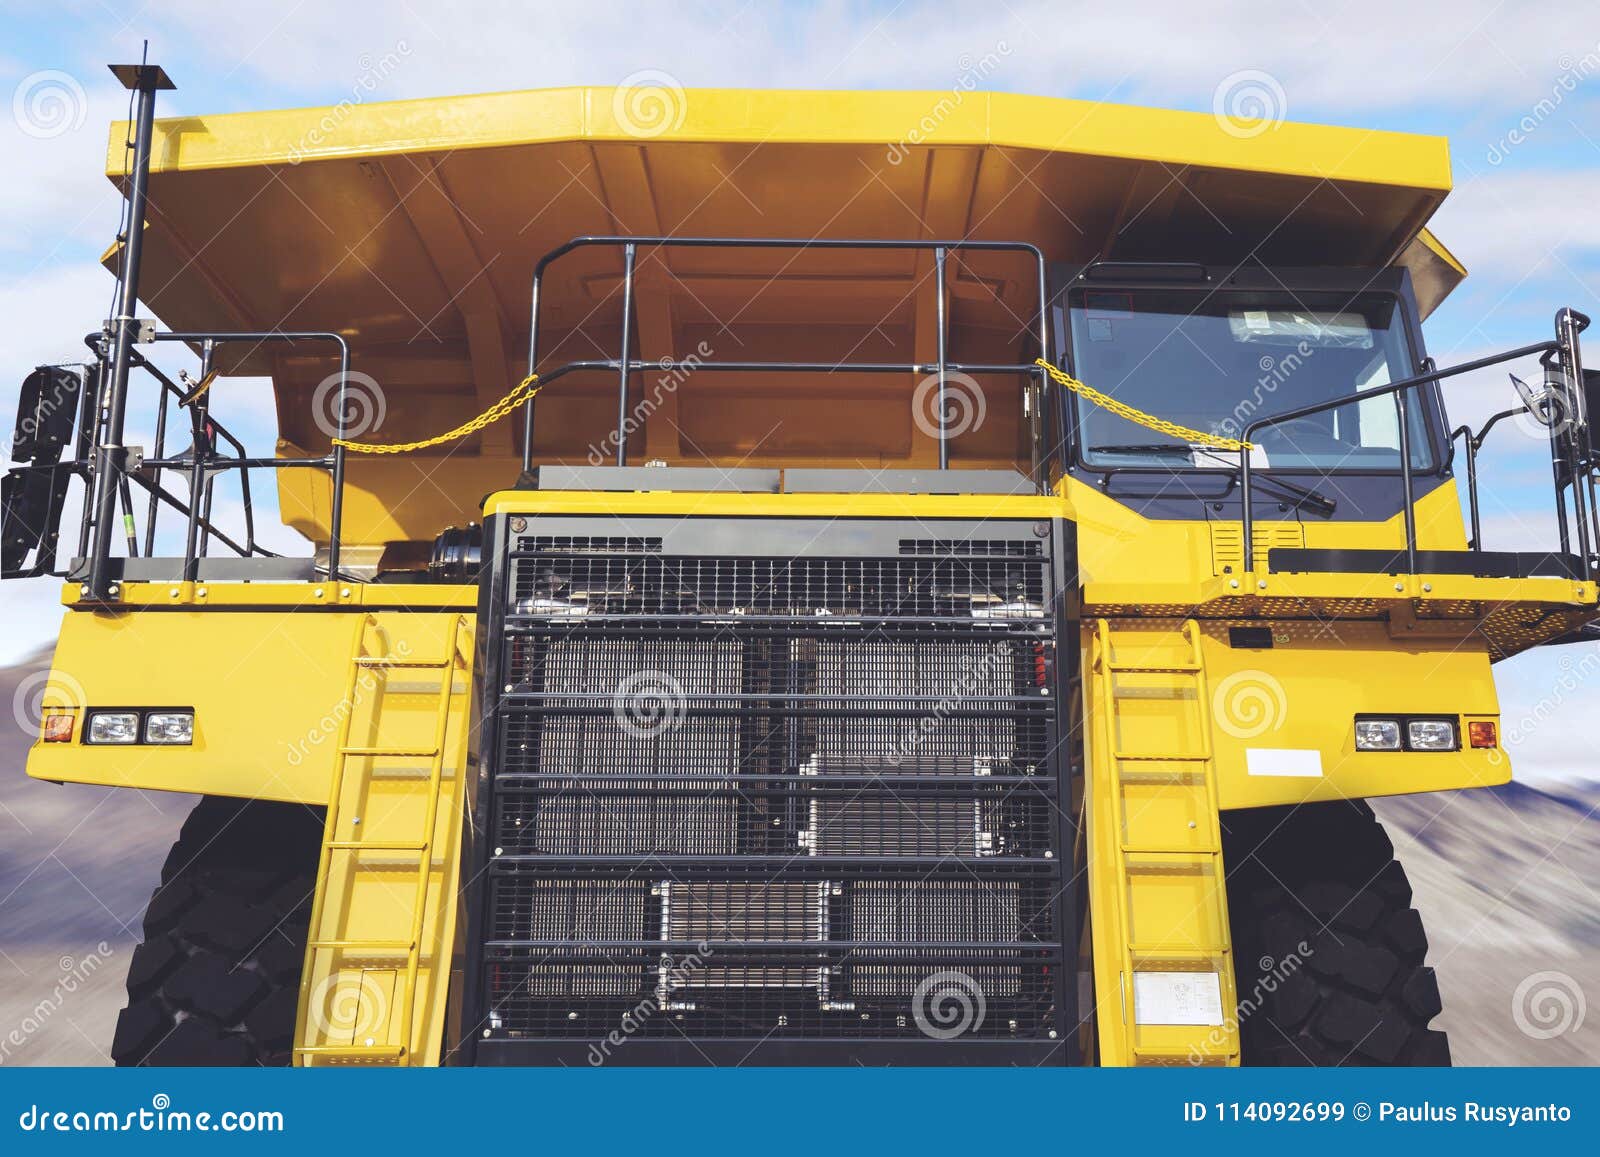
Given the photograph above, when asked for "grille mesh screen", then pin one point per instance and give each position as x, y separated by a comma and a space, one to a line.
773, 798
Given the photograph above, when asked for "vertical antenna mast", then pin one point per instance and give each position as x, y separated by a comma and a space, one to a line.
110, 456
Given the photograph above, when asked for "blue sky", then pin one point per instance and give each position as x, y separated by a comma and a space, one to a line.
1516, 91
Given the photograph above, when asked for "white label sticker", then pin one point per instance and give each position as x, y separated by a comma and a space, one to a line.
1177, 998
1304, 763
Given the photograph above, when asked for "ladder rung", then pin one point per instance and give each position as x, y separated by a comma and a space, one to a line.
376, 846
416, 752
1170, 850
1183, 1055
384, 661
394, 1052
366, 945
1161, 756
1178, 951
1164, 669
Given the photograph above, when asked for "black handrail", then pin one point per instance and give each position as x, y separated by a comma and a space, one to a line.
625, 365
203, 458
1396, 389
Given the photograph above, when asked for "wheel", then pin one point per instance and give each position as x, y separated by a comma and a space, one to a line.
1328, 950
216, 979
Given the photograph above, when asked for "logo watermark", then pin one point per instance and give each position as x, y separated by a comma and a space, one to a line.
649, 703
49, 104
649, 103
1249, 703
1248, 103
1547, 1005
948, 1005
962, 410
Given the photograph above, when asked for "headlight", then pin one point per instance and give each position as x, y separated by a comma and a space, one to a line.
1431, 735
113, 727
1377, 735
169, 727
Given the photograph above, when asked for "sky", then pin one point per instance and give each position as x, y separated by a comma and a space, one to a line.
1517, 92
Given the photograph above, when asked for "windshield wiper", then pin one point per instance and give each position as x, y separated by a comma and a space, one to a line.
1144, 448
1300, 496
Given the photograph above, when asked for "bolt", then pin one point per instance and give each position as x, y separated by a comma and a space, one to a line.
1261, 584
201, 592
1234, 583
572, 1016
1399, 586
172, 593
486, 1033
499, 851
344, 592
358, 820
83, 591
318, 592
1427, 587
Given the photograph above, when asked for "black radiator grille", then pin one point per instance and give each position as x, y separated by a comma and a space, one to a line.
774, 798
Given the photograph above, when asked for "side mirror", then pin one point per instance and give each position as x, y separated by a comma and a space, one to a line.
47, 412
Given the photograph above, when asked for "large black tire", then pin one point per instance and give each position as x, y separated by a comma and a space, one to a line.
216, 979
1324, 876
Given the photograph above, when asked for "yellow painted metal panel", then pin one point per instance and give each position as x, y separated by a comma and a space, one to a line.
657, 502
268, 689
776, 117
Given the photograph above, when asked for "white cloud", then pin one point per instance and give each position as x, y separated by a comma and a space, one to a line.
1361, 55
1510, 226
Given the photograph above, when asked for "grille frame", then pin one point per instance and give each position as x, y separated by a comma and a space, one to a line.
1033, 788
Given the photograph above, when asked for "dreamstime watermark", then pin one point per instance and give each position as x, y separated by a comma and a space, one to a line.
1248, 103
948, 1005
1273, 974
1249, 703
76, 971
49, 104
62, 392
359, 409
1275, 373
1572, 674
158, 1117
1574, 71
44, 690
649, 103
374, 71
975, 675
675, 371
1547, 1005
649, 703
959, 408
973, 73
673, 976
331, 724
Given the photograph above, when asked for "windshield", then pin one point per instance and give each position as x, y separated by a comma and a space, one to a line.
1219, 362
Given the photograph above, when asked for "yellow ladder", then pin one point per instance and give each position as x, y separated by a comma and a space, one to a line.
371, 983
1163, 956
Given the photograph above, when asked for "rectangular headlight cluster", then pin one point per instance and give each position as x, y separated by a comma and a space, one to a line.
1407, 733
158, 727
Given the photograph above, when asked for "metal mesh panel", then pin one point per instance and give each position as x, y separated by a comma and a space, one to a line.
758, 798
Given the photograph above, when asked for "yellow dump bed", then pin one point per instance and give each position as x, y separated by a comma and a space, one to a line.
412, 227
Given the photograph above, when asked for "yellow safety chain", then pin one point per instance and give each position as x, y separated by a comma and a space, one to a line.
524, 391
1148, 421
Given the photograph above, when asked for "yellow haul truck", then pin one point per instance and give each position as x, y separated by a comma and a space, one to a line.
782, 591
